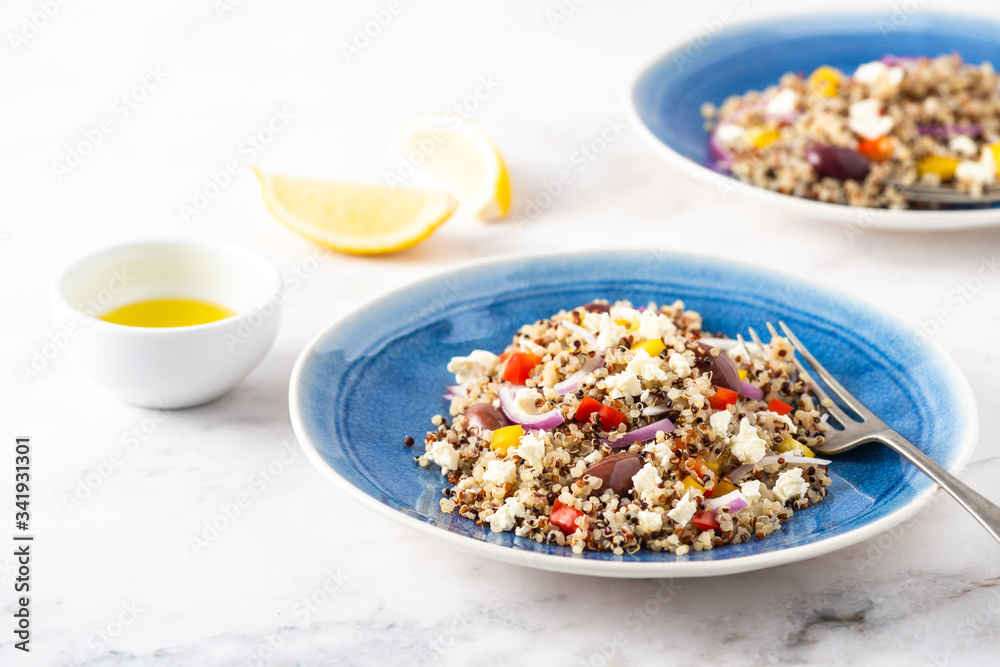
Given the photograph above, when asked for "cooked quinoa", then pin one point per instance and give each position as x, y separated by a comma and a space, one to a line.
707, 477
846, 139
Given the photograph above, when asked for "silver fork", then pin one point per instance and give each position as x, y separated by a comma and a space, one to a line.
937, 194
869, 428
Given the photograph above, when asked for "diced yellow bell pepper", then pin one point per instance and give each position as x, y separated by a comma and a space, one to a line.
714, 466
788, 444
508, 436
944, 167
759, 137
722, 488
652, 347
693, 484
631, 326
996, 155
825, 81
743, 375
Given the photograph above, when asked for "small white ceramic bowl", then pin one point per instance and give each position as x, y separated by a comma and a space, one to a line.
174, 367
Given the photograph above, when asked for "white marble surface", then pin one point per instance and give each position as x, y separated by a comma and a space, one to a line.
927, 594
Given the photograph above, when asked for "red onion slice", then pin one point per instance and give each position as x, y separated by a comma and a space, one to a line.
721, 343
949, 130
751, 392
579, 331
640, 434
655, 410
906, 62
543, 422
784, 117
574, 380
720, 157
738, 473
734, 500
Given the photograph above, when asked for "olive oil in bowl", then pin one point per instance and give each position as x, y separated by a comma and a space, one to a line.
159, 313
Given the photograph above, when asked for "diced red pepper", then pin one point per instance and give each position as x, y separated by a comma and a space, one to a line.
504, 356
519, 367
780, 407
876, 149
705, 520
564, 517
722, 398
608, 416
588, 406
699, 466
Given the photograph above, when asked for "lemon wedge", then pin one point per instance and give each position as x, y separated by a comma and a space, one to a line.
355, 218
458, 156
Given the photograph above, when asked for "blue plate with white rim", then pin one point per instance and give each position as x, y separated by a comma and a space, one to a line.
667, 96
378, 374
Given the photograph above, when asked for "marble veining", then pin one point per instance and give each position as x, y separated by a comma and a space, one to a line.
141, 558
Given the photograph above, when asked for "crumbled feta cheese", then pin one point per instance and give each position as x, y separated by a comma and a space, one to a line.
623, 384
679, 364
525, 399
649, 521
720, 421
609, 335
790, 485
751, 489
877, 73
984, 171
653, 325
499, 473
783, 103
748, 446
607, 330
661, 451
443, 454
866, 119
503, 519
626, 314
607, 338
478, 364
646, 367
593, 457
594, 321
870, 72
963, 145
730, 135
532, 448
646, 481
683, 510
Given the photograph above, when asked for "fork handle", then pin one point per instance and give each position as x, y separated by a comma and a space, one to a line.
986, 512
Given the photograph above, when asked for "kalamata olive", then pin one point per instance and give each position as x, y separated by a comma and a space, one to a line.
616, 472
724, 373
485, 417
595, 307
839, 163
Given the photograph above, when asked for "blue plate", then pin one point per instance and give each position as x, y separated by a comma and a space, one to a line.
377, 376
667, 96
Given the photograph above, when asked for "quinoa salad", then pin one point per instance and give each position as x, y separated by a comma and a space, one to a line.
615, 428
852, 138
